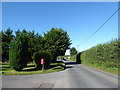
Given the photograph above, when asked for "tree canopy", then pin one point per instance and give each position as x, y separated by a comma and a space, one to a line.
26, 43
73, 51
57, 41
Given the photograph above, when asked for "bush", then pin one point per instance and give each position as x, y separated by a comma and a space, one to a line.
42, 54
105, 55
18, 54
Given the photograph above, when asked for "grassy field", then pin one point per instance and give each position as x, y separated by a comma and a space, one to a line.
30, 69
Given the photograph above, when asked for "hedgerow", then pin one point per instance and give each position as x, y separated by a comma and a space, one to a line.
105, 55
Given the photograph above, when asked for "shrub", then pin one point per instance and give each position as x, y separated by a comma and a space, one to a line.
105, 55
42, 54
18, 54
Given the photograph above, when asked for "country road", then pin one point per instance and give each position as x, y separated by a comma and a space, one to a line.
81, 76
75, 76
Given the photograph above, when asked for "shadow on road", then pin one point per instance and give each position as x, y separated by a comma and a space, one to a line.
68, 67
68, 64
71, 63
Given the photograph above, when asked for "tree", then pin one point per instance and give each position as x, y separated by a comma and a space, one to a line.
73, 51
7, 37
18, 32
18, 54
56, 41
35, 43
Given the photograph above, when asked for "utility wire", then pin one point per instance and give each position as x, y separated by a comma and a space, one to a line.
101, 25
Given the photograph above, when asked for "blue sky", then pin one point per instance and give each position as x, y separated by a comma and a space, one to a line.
79, 19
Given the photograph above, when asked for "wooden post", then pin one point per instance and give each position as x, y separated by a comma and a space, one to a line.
43, 68
42, 62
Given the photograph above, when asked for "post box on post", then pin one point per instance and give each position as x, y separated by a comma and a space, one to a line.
42, 63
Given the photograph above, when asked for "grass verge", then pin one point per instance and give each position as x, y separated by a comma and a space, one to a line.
30, 69
110, 70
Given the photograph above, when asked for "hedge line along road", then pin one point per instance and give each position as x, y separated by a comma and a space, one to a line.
75, 76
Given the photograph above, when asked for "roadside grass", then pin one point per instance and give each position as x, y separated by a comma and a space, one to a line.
110, 70
30, 69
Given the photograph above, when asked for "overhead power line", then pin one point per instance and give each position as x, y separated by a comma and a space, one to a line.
101, 25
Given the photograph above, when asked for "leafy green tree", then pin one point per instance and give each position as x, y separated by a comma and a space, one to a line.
35, 43
7, 37
73, 51
25, 44
56, 41
18, 32
19, 54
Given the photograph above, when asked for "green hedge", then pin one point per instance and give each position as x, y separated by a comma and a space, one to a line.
42, 54
105, 55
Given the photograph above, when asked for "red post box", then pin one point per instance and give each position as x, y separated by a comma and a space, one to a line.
42, 61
